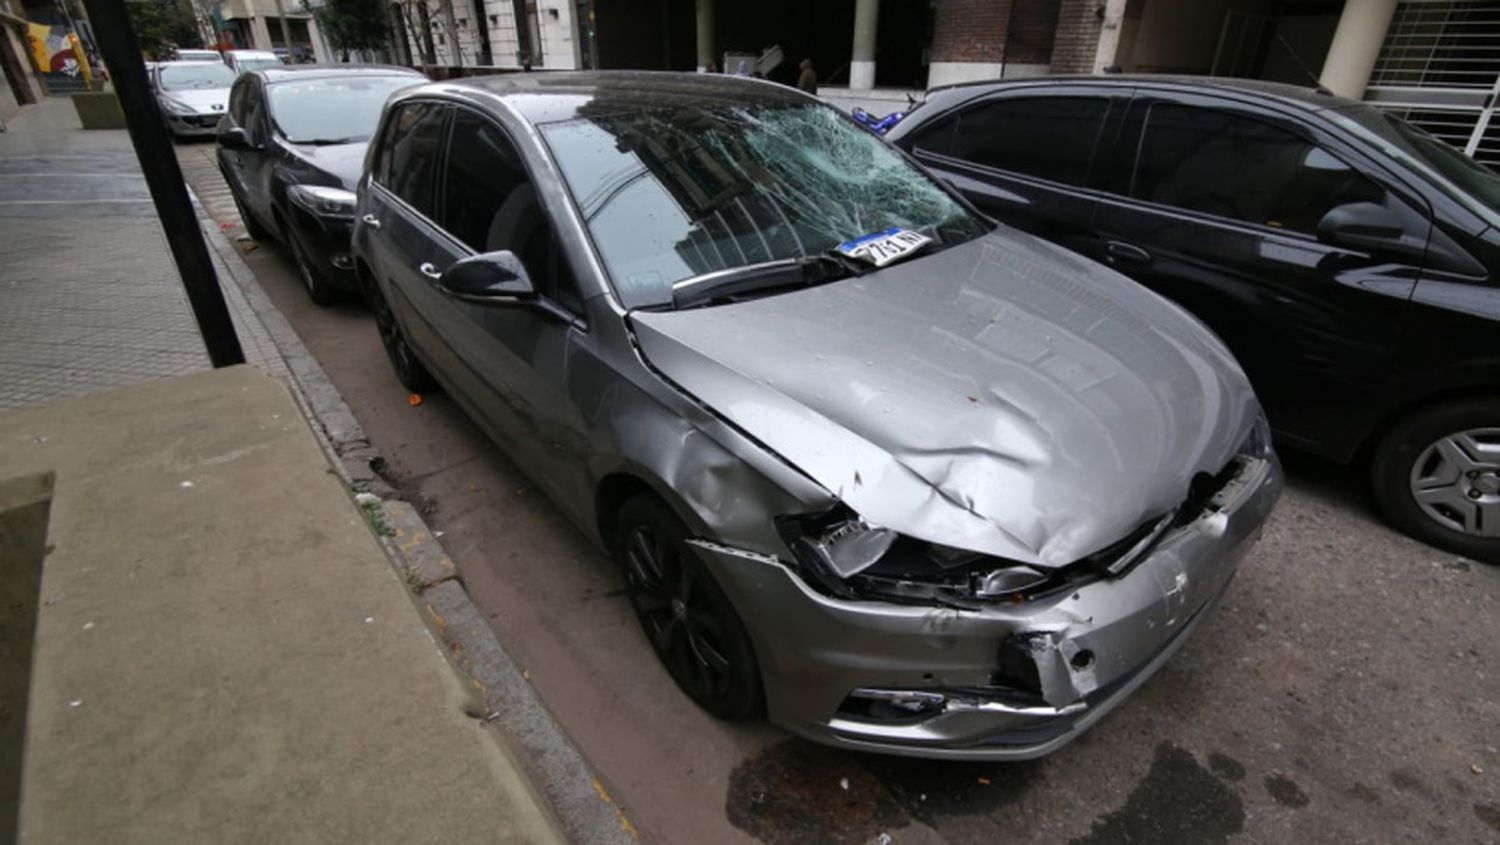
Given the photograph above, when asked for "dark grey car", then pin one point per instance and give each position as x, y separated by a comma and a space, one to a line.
908, 481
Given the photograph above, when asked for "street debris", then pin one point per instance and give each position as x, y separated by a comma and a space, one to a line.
844, 784
1476, 768
88, 626
369, 619
414, 400
186, 484
366, 499
75, 702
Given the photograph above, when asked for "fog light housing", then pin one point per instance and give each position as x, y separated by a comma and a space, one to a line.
342, 260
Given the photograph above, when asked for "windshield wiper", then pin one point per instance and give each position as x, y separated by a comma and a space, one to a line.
751, 279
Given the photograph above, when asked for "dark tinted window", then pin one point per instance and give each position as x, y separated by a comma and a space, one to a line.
1046, 137
415, 136
482, 178
490, 204
1231, 166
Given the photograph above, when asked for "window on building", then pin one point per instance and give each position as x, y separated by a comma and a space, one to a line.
408, 161
1228, 165
1045, 137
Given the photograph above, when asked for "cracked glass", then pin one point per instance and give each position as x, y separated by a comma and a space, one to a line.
673, 193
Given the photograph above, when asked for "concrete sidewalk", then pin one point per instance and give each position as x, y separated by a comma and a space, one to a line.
222, 652
89, 296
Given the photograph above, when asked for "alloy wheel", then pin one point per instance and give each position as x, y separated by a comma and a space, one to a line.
1456, 481
676, 613
395, 344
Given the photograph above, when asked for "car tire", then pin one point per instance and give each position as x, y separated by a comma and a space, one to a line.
1436, 476
688, 620
253, 228
409, 370
318, 289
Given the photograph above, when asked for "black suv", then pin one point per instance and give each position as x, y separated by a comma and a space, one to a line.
1350, 260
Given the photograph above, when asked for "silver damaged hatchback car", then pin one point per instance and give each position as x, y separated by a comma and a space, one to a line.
907, 480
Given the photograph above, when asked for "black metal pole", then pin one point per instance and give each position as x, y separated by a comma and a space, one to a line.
153, 147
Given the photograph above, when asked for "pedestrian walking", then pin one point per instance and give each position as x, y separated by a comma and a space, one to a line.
807, 80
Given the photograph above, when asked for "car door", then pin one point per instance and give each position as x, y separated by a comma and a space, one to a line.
511, 361
1026, 157
401, 235
251, 168
1218, 204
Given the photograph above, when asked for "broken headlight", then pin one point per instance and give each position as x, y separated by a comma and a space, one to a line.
847, 556
1257, 443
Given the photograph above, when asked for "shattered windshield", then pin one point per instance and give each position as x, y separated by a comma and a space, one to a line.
674, 193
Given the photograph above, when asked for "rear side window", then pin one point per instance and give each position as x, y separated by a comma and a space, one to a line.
1045, 137
411, 146
1228, 165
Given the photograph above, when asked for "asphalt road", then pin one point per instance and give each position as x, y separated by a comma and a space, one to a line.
1347, 690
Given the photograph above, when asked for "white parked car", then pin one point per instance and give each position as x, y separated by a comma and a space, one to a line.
198, 56
192, 95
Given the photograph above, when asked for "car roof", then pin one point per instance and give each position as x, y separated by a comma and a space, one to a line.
250, 53
1312, 99
557, 95
286, 72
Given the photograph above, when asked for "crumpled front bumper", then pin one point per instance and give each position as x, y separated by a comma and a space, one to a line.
1089, 647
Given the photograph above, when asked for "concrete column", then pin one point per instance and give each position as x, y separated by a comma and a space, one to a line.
706, 36
260, 34
1111, 27
1356, 45
862, 66
321, 51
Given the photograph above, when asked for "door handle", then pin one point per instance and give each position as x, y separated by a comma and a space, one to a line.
371, 220
1126, 252
430, 271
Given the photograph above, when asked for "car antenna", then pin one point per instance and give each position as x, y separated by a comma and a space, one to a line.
1316, 83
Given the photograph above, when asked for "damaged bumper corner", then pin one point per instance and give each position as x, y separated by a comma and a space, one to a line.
1011, 681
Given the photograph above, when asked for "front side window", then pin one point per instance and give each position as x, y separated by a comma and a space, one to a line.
414, 141
1045, 137
331, 110
1220, 163
490, 204
676, 192
194, 77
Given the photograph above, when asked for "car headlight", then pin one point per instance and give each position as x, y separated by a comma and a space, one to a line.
176, 106
847, 556
1257, 443
324, 201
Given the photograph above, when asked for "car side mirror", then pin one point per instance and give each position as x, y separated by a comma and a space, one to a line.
490, 278
237, 139
1369, 227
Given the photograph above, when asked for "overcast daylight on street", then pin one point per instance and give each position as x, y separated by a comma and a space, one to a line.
685, 421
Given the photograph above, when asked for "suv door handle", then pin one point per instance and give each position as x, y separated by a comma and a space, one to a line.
371, 220
1126, 252
430, 271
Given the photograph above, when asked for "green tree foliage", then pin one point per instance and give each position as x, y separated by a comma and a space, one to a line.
352, 24
161, 26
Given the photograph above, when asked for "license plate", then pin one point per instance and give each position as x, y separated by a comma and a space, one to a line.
881, 248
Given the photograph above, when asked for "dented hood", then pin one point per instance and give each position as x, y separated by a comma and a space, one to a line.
1003, 395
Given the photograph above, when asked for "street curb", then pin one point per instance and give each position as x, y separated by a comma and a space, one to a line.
553, 762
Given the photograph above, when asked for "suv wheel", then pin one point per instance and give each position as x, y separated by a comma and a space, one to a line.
253, 228
1436, 475
689, 621
409, 370
317, 289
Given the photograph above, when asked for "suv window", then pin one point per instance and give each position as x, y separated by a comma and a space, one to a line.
1228, 165
490, 204
409, 155
1046, 137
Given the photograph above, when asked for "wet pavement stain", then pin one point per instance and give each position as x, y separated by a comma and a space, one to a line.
796, 792
1285, 791
1226, 767
1177, 801
1489, 814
